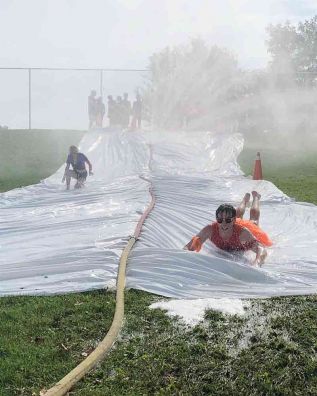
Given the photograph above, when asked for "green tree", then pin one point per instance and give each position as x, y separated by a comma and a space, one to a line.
307, 51
294, 49
283, 45
191, 84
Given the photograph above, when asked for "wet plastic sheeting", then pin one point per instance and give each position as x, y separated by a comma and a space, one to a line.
55, 241
290, 267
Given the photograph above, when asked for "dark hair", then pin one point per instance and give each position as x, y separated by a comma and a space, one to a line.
226, 208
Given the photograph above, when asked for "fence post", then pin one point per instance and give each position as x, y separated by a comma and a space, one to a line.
30, 98
101, 82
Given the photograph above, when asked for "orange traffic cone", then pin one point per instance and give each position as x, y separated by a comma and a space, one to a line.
257, 172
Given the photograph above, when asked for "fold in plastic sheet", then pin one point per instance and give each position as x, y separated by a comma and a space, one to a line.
159, 265
54, 241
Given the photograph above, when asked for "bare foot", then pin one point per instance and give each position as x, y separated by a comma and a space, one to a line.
255, 194
246, 198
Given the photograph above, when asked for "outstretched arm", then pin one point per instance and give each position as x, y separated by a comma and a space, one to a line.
261, 254
196, 242
90, 166
248, 239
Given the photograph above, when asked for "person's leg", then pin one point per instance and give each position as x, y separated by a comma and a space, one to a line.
82, 176
99, 120
69, 174
242, 206
133, 122
255, 208
80, 182
67, 182
91, 121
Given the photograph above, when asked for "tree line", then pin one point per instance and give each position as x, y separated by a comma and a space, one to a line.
200, 86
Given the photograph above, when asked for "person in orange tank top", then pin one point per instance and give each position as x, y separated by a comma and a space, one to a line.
231, 233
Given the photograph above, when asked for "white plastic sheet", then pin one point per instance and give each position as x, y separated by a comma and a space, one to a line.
54, 241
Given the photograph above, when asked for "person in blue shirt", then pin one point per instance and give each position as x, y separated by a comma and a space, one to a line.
78, 162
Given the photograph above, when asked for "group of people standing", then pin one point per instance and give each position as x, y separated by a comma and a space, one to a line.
120, 111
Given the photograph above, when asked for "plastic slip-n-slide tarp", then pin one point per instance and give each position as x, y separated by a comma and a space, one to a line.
57, 241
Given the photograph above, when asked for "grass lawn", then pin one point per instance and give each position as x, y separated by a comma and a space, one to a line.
292, 172
269, 351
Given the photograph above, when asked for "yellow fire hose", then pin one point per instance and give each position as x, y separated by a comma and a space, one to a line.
66, 383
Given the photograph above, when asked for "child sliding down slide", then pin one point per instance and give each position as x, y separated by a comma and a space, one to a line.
78, 162
231, 233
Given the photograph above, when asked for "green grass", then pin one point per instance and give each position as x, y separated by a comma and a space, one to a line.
270, 351
292, 172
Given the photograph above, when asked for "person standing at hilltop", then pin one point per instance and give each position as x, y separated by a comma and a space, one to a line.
92, 109
136, 113
126, 106
119, 112
111, 110
100, 112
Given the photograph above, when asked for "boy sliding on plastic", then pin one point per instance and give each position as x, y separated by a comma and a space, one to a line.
78, 162
232, 233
